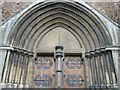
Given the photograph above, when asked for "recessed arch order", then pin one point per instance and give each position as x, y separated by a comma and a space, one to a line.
75, 17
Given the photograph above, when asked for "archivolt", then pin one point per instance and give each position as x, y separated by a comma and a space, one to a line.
36, 21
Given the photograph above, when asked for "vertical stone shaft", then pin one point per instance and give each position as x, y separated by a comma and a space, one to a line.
18, 69
94, 70
59, 66
16, 65
106, 69
9, 68
97, 71
21, 69
103, 68
114, 76
26, 70
6, 66
90, 73
109, 68
12, 68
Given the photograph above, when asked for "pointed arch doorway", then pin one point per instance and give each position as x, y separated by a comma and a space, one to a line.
45, 25
59, 62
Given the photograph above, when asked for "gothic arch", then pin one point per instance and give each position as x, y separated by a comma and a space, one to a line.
71, 15
81, 22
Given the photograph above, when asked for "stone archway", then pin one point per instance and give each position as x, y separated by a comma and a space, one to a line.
86, 34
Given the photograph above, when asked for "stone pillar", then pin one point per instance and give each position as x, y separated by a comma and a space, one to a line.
18, 69
15, 69
4, 60
59, 66
106, 69
6, 66
26, 72
103, 67
119, 71
9, 66
97, 72
20, 78
22, 71
115, 56
29, 76
109, 67
92, 54
12, 67
9, 69
88, 71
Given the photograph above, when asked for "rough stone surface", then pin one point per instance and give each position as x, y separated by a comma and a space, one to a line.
109, 9
9, 9
119, 13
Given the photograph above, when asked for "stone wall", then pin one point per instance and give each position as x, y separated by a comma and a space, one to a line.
109, 9
9, 9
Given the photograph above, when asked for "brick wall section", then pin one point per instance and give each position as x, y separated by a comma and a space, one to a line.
109, 9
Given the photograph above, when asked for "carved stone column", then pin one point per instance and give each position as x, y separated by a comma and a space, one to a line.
97, 52
20, 78
5, 69
88, 71
9, 69
26, 72
29, 76
6, 66
18, 69
59, 66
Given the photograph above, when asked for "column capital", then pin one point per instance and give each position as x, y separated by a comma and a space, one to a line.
59, 51
59, 47
6, 48
113, 47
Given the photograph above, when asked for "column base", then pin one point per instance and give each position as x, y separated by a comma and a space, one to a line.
27, 86
3, 85
103, 86
15, 85
10, 85
21, 86
115, 85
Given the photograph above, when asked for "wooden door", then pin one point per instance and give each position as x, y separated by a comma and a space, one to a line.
73, 72
44, 72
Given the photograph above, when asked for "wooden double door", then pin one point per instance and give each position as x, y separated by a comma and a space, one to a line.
72, 74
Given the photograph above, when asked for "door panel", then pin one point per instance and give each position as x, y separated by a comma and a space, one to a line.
43, 72
73, 72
